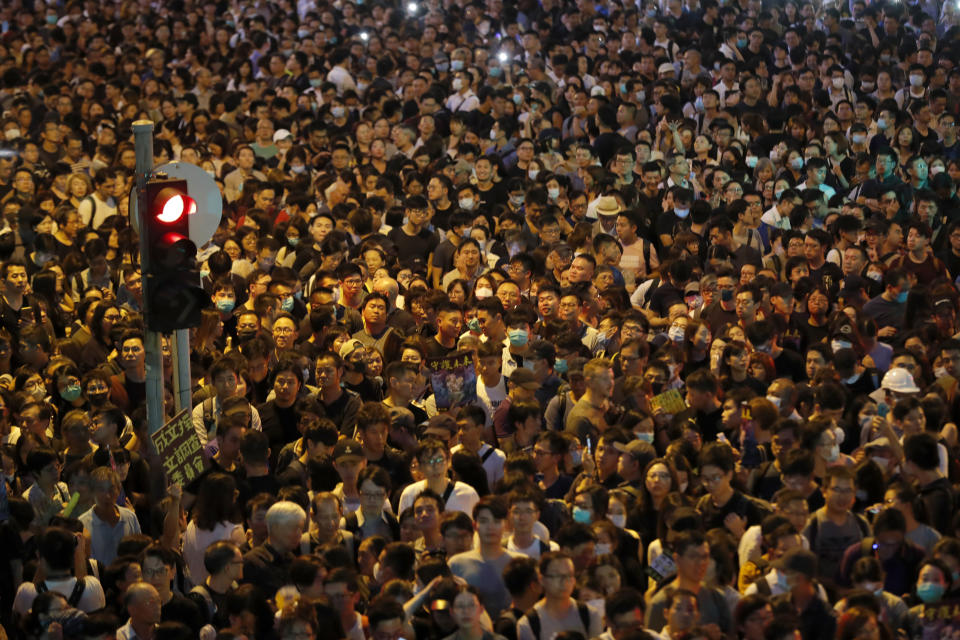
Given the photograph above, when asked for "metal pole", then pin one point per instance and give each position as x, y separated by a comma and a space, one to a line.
182, 386
143, 144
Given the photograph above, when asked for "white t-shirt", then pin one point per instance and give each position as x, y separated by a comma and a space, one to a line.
91, 600
462, 498
491, 397
196, 541
493, 465
532, 551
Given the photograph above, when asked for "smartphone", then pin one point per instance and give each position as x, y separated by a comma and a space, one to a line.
26, 314
589, 446
883, 409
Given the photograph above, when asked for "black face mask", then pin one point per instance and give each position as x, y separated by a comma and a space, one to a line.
359, 366
246, 335
98, 399
656, 387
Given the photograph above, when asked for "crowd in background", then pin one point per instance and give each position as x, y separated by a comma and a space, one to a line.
701, 257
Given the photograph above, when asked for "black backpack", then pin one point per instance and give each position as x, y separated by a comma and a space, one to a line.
78, 588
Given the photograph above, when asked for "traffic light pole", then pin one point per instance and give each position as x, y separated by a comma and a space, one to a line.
182, 385
143, 144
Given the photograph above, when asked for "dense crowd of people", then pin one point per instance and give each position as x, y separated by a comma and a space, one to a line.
701, 256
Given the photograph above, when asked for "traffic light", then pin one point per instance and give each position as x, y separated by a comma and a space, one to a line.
173, 298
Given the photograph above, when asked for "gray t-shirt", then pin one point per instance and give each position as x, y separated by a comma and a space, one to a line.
486, 576
713, 609
550, 626
829, 541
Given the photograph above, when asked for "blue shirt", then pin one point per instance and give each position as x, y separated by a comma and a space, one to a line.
104, 538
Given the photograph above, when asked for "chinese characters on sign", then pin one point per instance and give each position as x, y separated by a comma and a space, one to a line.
454, 379
179, 448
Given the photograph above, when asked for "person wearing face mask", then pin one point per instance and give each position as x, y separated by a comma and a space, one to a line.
518, 341
899, 558
889, 308
867, 575
916, 87
933, 581
672, 222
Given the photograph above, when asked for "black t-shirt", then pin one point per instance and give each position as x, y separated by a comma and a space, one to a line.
669, 224
559, 489
606, 145
418, 246
664, 296
750, 509
136, 391
789, 364
716, 316
182, 609
436, 350
367, 389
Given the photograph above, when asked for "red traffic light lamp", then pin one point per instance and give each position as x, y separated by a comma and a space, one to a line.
173, 296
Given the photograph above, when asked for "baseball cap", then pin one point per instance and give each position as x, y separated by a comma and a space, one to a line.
281, 134
348, 347
665, 67
402, 418
441, 422
944, 304
524, 378
348, 448
636, 448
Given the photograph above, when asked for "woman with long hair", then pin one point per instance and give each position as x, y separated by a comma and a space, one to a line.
211, 522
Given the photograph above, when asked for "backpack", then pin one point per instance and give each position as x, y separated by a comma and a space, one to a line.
352, 524
209, 415
815, 528
763, 567
533, 618
78, 588
203, 592
647, 297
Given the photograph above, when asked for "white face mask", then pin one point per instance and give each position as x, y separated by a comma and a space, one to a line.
483, 293
831, 454
601, 548
619, 520
676, 333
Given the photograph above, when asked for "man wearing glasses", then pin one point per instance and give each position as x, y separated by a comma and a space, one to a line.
558, 611
434, 460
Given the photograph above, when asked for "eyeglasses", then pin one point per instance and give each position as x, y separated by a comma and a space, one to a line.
434, 461
374, 495
559, 576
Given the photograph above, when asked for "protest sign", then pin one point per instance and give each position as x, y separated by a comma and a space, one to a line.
179, 448
454, 379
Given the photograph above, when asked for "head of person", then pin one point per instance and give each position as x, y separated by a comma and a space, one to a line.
285, 524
